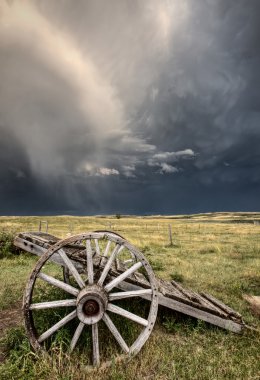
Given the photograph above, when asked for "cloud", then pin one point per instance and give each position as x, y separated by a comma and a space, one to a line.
166, 168
174, 156
110, 95
163, 160
128, 171
108, 171
69, 100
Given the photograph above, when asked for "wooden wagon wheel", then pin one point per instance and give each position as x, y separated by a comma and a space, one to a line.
92, 297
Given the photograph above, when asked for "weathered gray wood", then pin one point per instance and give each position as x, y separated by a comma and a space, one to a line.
57, 326
129, 294
39, 251
95, 343
200, 314
209, 305
71, 268
124, 313
188, 297
201, 301
116, 333
122, 276
76, 335
106, 252
221, 305
227, 324
182, 290
52, 304
108, 265
90, 270
97, 247
30, 247
59, 284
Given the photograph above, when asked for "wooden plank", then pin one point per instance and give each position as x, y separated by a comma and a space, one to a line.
192, 299
181, 289
196, 297
189, 310
39, 251
166, 288
209, 305
220, 304
200, 314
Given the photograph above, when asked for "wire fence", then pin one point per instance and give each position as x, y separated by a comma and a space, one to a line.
176, 233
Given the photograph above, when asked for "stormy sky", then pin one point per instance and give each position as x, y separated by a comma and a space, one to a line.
129, 106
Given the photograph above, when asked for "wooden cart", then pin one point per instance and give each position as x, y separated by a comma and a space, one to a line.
100, 268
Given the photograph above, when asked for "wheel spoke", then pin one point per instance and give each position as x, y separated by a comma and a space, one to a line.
97, 247
128, 261
89, 263
76, 336
108, 265
57, 326
107, 248
115, 332
59, 284
96, 357
122, 276
52, 304
124, 313
129, 294
72, 268
106, 252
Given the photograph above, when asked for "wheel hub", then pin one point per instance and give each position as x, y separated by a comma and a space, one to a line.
91, 304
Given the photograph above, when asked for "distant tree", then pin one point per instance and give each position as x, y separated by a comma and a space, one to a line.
118, 216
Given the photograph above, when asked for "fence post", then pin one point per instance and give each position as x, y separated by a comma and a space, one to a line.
170, 234
46, 225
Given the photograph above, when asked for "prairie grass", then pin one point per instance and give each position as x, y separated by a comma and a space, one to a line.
216, 253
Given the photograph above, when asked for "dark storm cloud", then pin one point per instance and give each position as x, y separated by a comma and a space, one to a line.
129, 106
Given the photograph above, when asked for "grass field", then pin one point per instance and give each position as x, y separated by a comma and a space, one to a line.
216, 253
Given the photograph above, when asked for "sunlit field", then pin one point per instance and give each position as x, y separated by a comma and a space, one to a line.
216, 253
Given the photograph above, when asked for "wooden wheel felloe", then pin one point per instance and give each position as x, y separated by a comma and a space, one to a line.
103, 268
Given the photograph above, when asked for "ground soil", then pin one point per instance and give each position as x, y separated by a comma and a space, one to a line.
9, 318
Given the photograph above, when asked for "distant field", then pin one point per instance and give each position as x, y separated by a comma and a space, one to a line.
218, 253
